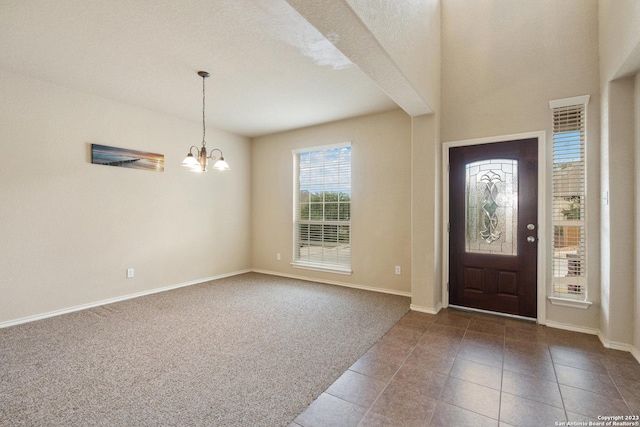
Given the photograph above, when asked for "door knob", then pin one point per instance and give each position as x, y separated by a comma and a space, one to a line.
531, 239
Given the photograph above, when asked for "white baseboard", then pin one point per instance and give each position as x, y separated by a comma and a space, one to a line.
333, 282
573, 328
116, 299
429, 310
620, 346
605, 342
616, 345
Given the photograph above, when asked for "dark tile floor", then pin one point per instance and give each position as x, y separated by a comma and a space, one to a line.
459, 368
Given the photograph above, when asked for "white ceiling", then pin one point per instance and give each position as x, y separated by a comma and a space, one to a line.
271, 69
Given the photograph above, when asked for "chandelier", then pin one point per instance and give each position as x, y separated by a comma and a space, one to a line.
199, 160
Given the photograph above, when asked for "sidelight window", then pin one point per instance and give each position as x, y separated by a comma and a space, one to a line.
569, 198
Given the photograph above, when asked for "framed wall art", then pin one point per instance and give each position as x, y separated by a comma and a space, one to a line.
125, 158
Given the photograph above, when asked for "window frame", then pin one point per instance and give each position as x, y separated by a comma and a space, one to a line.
339, 266
568, 298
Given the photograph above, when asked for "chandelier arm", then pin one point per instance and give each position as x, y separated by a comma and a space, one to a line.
211, 153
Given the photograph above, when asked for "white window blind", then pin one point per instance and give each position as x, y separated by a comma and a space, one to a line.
569, 199
322, 208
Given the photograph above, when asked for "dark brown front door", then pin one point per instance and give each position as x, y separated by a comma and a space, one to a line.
493, 227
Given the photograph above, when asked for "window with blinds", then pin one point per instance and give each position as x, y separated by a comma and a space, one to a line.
569, 198
322, 208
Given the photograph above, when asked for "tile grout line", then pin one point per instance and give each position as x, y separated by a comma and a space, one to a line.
368, 376
553, 364
504, 347
615, 384
438, 400
394, 374
500, 391
400, 367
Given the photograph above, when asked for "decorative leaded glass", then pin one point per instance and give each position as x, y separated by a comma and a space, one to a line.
491, 207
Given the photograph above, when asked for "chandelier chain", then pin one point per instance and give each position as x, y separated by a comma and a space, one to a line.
204, 129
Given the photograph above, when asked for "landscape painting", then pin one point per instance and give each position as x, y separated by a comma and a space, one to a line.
122, 157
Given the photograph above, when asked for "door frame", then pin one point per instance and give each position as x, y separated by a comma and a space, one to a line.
542, 212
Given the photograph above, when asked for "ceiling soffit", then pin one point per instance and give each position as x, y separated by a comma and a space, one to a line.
342, 26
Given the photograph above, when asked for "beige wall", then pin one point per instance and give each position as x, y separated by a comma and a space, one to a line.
502, 62
619, 32
381, 183
426, 172
636, 317
618, 216
426, 223
70, 229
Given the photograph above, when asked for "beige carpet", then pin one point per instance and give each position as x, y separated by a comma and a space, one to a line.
249, 350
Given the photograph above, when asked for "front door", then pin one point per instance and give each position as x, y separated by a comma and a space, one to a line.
493, 194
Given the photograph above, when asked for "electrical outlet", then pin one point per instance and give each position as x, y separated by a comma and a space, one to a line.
398, 269
278, 256
129, 273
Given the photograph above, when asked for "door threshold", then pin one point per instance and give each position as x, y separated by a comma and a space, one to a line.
495, 313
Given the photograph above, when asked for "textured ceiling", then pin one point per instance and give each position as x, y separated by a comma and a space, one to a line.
271, 69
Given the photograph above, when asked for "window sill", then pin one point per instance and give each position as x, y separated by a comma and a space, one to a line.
322, 267
570, 303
